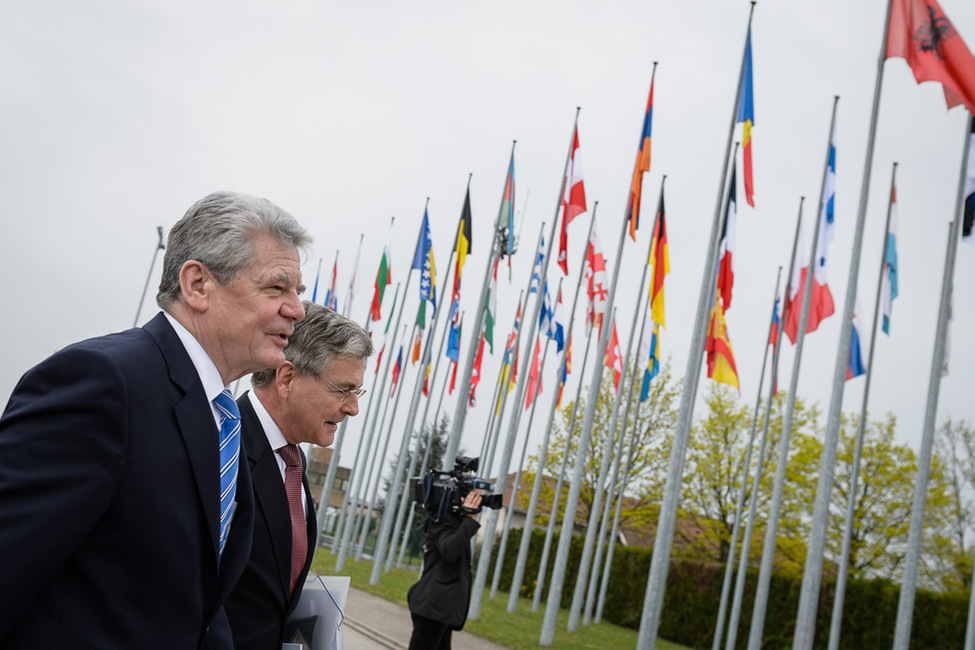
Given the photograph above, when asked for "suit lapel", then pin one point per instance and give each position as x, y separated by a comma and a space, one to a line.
310, 510
269, 491
195, 418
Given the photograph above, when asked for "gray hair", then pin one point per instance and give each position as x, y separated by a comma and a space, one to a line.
218, 231
318, 338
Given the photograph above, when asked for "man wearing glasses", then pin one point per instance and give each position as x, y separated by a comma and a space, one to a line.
302, 401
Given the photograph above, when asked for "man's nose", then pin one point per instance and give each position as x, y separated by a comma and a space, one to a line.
292, 308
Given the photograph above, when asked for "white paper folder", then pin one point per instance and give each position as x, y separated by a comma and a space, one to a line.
319, 613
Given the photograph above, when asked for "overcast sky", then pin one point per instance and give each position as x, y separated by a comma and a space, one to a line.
116, 116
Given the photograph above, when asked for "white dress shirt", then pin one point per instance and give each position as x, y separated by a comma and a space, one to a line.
207, 370
275, 438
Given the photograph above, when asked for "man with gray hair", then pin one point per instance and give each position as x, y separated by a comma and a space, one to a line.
125, 516
304, 400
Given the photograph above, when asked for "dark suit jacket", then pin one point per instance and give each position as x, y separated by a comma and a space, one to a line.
443, 592
260, 604
109, 501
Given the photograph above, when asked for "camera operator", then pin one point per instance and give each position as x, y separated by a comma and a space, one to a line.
440, 598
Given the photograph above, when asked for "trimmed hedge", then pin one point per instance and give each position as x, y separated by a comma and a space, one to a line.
694, 592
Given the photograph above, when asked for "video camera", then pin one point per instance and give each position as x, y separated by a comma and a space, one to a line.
439, 491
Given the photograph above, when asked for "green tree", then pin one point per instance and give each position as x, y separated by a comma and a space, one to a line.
713, 475
942, 561
882, 511
654, 426
955, 451
650, 421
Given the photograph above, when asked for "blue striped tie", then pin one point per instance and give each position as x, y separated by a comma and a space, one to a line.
229, 454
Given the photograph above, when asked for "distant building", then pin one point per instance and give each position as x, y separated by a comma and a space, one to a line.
317, 469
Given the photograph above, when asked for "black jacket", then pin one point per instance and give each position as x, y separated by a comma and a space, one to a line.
260, 604
110, 501
443, 592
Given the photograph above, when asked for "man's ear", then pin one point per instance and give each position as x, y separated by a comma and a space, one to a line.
284, 378
194, 284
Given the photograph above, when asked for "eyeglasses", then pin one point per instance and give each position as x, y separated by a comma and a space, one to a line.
346, 393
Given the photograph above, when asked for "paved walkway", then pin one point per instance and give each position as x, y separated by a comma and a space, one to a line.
374, 623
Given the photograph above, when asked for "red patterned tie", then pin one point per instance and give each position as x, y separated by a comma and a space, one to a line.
299, 531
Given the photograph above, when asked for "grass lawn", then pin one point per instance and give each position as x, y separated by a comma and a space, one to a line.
520, 630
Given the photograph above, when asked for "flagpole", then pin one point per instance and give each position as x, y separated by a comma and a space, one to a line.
740, 505
611, 541
346, 523
497, 402
376, 471
812, 574
388, 544
460, 410
837, 616
347, 532
367, 469
554, 512
600, 574
768, 550
746, 544
382, 534
314, 290
657, 579
515, 420
494, 430
335, 272
905, 604
610, 490
515, 486
351, 521
572, 500
383, 544
393, 492
499, 399
376, 465
347, 312
970, 623
333, 464
155, 253
406, 496
340, 440
484, 559
481, 576
592, 545
496, 577
495, 407
519, 573
426, 457
658, 230
521, 217
405, 502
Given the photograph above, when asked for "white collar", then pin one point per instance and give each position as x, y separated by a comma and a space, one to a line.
275, 437
207, 370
